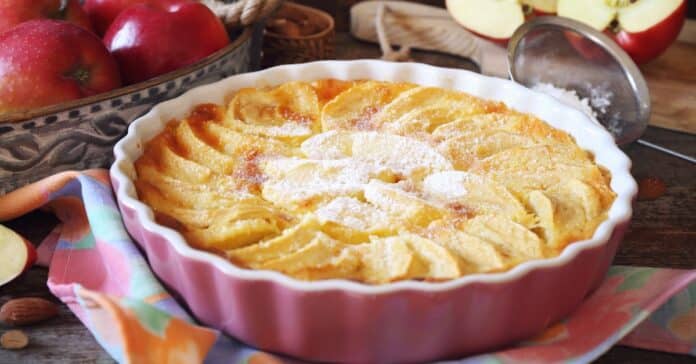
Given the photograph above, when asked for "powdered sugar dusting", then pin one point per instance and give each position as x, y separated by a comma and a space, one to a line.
294, 180
445, 185
289, 129
386, 152
600, 98
400, 154
347, 163
569, 97
327, 145
352, 213
596, 106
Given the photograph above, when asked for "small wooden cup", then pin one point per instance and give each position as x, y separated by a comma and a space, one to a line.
296, 34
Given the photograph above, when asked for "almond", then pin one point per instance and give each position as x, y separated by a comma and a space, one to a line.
14, 340
28, 310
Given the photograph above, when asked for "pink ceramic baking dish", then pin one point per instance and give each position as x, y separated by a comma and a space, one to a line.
344, 321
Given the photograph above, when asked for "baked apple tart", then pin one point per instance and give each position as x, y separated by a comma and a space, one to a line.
371, 181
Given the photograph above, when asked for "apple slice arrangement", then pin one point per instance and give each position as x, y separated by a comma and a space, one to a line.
643, 28
50, 54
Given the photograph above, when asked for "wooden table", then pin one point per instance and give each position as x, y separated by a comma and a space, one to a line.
662, 233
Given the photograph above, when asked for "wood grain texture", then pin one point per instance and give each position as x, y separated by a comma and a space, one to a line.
672, 83
688, 33
662, 233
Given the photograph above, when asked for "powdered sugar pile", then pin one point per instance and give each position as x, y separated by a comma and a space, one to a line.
384, 152
568, 97
600, 98
595, 105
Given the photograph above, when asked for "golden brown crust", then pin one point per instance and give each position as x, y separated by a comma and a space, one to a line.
371, 181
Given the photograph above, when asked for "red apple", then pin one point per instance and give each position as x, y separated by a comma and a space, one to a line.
16, 255
13, 12
643, 28
103, 12
44, 62
496, 20
587, 48
152, 39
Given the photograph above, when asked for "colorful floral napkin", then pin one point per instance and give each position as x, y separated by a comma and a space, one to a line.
97, 270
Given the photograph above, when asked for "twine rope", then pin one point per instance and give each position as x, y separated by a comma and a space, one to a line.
467, 46
388, 53
241, 13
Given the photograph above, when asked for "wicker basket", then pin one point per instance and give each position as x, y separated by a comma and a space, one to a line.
282, 49
80, 134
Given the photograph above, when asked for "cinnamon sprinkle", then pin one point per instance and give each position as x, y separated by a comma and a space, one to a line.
461, 210
249, 171
290, 115
364, 121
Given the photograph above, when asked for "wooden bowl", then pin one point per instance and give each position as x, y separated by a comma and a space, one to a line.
80, 134
281, 48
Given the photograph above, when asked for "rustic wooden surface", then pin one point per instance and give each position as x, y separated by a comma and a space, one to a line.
662, 233
671, 80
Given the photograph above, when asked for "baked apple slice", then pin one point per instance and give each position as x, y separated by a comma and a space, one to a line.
385, 260
513, 239
402, 206
476, 194
433, 261
476, 254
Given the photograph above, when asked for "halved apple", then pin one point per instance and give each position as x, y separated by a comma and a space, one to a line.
496, 20
643, 28
16, 255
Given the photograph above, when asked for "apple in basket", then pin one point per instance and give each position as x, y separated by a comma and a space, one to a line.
103, 12
151, 39
643, 28
14, 12
496, 20
45, 62
16, 255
